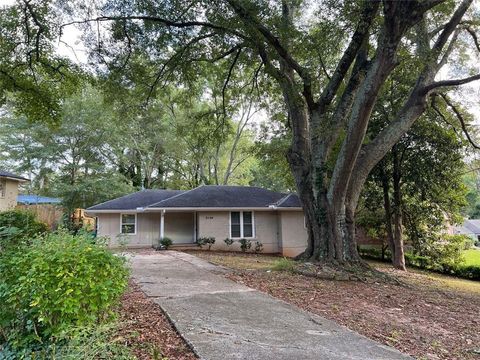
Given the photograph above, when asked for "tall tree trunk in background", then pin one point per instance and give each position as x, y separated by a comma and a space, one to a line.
388, 210
399, 256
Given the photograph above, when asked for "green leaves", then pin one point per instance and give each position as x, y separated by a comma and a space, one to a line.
31, 75
18, 227
58, 283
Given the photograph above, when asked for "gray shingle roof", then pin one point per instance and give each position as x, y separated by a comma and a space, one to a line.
12, 175
138, 199
211, 196
207, 196
472, 225
291, 200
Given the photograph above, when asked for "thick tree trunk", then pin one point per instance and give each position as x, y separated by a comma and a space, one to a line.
399, 257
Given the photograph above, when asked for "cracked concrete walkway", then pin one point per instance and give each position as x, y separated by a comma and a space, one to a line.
225, 320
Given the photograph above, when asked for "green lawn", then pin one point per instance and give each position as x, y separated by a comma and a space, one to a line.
472, 257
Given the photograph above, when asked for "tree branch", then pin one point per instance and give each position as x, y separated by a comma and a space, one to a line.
166, 22
453, 82
225, 84
434, 106
474, 37
460, 119
366, 18
273, 41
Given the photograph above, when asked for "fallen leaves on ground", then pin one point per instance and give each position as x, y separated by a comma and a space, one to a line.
149, 333
424, 322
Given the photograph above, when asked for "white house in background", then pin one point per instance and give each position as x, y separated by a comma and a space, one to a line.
9, 189
234, 212
470, 227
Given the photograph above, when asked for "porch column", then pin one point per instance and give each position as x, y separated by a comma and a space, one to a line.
162, 224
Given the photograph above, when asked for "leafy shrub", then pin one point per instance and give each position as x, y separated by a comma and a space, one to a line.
57, 283
166, 242
245, 244
258, 247
283, 264
93, 342
123, 240
471, 272
447, 254
417, 260
209, 241
228, 241
18, 227
447, 259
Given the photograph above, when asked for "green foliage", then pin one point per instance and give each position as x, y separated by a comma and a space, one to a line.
429, 161
166, 242
284, 264
228, 241
209, 241
73, 159
32, 76
18, 227
56, 284
245, 244
447, 254
471, 180
258, 247
273, 171
87, 343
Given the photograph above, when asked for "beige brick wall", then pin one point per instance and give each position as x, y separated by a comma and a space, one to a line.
148, 229
216, 224
9, 200
293, 233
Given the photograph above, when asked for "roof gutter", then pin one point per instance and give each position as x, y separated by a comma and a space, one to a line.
14, 178
270, 207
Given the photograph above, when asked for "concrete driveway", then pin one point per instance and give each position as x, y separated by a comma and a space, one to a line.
223, 320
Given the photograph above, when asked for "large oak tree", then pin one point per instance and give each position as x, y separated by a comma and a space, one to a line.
328, 63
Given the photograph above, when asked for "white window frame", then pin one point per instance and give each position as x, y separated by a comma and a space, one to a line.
3, 187
241, 225
121, 223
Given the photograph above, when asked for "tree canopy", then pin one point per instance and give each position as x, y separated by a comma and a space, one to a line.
327, 66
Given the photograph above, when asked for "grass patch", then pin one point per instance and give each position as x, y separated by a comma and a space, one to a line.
472, 257
237, 261
433, 280
284, 264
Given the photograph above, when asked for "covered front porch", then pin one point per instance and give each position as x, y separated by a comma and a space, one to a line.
179, 226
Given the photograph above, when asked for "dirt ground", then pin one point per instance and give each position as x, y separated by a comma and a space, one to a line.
431, 317
149, 333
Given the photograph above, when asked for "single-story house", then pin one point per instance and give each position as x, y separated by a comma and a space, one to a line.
141, 219
470, 227
9, 189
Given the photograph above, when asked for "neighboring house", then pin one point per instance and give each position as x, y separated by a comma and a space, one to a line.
470, 227
9, 189
141, 219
